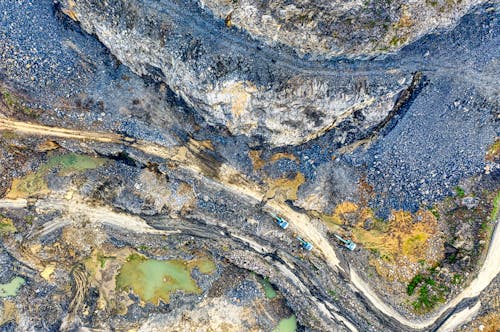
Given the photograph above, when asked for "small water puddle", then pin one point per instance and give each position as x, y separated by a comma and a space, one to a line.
268, 288
11, 288
287, 325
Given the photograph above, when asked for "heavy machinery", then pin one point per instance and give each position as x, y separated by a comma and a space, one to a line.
306, 245
280, 221
347, 243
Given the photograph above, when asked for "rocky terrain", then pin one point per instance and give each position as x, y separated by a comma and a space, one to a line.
147, 145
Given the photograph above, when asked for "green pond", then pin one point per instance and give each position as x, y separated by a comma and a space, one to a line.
154, 280
34, 183
74, 162
11, 288
287, 325
268, 288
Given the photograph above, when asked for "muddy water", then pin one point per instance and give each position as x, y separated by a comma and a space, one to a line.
11, 288
154, 280
268, 289
35, 183
287, 325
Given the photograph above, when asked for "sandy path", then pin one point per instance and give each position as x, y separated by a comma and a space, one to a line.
13, 203
95, 214
232, 180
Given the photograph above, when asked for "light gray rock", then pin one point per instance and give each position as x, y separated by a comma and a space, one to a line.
236, 81
331, 28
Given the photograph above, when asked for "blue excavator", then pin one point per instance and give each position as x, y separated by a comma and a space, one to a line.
280, 221
284, 225
306, 245
347, 243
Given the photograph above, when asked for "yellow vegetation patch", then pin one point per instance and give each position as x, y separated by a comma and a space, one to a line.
400, 244
47, 271
402, 237
29, 185
9, 312
239, 94
69, 11
201, 145
284, 188
48, 145
257, 162
103, 265
282, 155
405, 19
494, 151
6, 226
346, 207
491, 322
340, 214
35, 248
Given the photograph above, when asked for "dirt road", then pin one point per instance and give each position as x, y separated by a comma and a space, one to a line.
187, 157
13, 203
95, 214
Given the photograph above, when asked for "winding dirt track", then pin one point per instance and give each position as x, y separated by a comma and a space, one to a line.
13, 203
230, 179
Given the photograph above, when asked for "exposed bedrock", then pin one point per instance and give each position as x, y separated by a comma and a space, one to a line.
287, 91
331, 28
234, 80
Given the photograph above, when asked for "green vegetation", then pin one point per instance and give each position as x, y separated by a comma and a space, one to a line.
396, 41
268, 288
460, 192
452, 258
457, 279
287, 325
413, 284
154, 280
435, 212
429, 292
16, 104
11, 288
333, 294
496, 207
8, 135
6, 225
34, 184
494, 151
102, 259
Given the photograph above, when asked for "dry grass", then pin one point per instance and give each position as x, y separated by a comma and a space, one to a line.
491, 322
284, 188
399, 245
257, 162
282, 155
494, 151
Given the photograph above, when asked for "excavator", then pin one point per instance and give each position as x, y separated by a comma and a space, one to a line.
284, 224
280, 221
347, 243
306, 245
